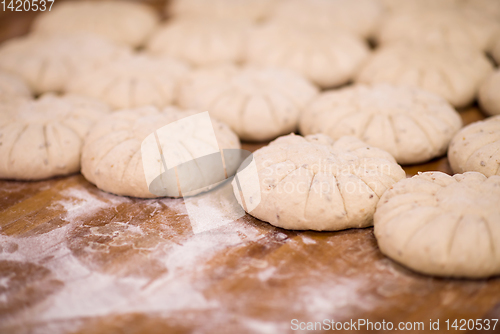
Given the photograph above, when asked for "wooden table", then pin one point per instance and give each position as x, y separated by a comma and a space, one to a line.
74, 259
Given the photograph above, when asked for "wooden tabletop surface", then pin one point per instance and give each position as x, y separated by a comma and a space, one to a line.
74, 259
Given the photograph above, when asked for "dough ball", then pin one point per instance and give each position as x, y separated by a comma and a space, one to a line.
132, 81
451, 73
240, 10
46, 63
411, 124
43, 138
201, 42
257, 103
476, 148
12, 87
360, 17
112, 157
495, 49
442, 225
489, 94
124, 22
315, 183
327, 57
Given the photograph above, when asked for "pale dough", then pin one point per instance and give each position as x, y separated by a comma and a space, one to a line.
112, 157
132, 81
12, 87
257, 103
125, 22
46, 63
476, 148
489, 94
43, 138
314, 183
442, 225
454, 74
495, 49
409, 123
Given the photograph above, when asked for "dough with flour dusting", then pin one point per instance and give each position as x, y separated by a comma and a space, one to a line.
489, 94
12, 87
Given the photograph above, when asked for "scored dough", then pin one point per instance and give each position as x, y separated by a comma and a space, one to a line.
46, 63
327, 57
409, 123
454, 74
442, 225
201, 42
489, 94
257, 103
125, 22
12, 87
477, 148
112, 157
314, 183
43, 138
132, 81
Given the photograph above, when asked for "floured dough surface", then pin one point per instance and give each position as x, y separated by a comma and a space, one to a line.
442, 225
257, 103
454, 74
43, 138
46, 63
477, 148
132, 81
489, 94
241, 10
315, 183
125, 22
409, 123
201, 42
112, 157
12, 87
327, 57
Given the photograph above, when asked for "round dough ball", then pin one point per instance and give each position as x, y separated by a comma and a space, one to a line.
112, 157
46, 63
495, 49
12, 87
452, 74
476, 148
442, 225
124, 22
43, 138
201, 42
257, 103
411, 124
132, 81
326, 57
489, 94
360, 17
314, 183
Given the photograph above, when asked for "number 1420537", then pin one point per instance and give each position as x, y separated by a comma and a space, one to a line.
26, 5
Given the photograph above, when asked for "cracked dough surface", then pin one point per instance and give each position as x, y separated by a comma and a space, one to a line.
46, 63
315, 183
489, 94
454, 74
257, 103
43, 138
327, 57
124, 22
442, 225
477, 148
409, 123
132, 81
12, 87
112, 158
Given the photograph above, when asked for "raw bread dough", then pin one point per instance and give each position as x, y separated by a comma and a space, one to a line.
314, 183
360, 17
240, 10
43, 138
12, 87
132, 81
454, 74
257, 103
495, 49
201, 42
125, 22
327, 57
476, 148
112, 157
409, 123
442, 225
489, 94
46, 63
411, 6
